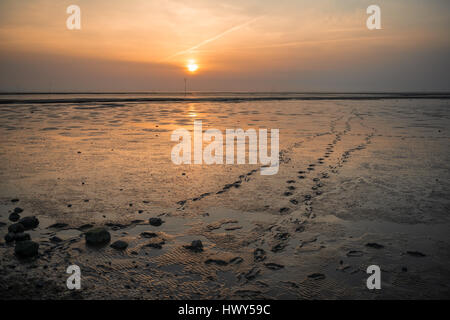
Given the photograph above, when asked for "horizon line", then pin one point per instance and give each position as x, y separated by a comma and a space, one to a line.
235, 91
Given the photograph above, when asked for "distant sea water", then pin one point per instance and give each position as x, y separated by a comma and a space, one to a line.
92, 97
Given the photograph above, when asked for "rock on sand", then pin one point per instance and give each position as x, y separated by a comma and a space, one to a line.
97, 236
26, 249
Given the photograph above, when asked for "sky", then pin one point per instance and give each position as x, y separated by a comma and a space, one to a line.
238, 45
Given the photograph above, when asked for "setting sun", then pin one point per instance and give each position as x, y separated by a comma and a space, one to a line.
192, 66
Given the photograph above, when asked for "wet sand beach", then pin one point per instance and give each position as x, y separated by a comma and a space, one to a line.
362, 181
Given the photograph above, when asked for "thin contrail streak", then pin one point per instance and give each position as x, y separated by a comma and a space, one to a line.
299, 43
213, 38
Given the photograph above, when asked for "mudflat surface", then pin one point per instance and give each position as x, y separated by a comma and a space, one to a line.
360, 183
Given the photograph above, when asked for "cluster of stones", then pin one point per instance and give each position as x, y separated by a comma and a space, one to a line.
24, 247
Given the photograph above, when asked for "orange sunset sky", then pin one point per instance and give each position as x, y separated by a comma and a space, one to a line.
246, 45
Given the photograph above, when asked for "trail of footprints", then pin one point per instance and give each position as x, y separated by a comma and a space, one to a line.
279, 233
317, 181
237, 184
284, 158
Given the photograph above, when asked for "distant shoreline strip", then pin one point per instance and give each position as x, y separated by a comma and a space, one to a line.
222, 99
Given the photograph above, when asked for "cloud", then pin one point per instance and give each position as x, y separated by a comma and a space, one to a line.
217, 37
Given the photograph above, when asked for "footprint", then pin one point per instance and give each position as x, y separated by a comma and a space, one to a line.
316, 276
274, 266
259, 255
355, 253
284, 210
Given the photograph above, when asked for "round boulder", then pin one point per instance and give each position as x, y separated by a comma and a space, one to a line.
97, 236
29, 222
196, 246
14, 217
155, 222
26, 249
16, 228
9, 237
119, 245
22, 236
